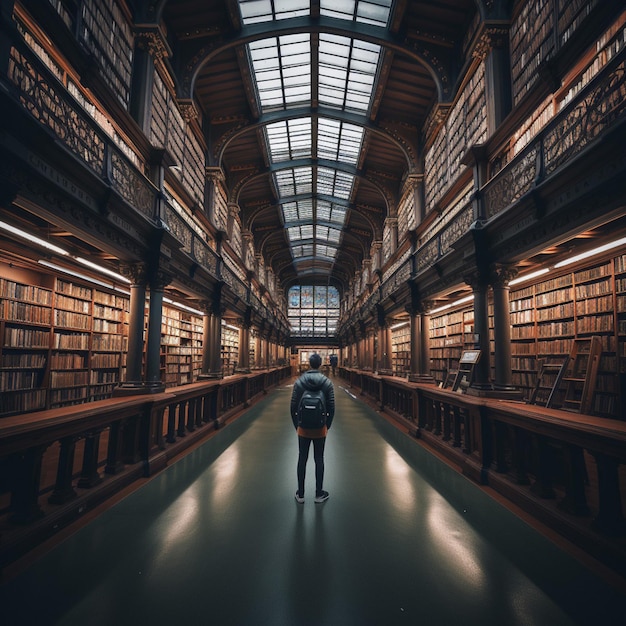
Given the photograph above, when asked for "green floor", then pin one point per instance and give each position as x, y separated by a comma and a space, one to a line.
218, 539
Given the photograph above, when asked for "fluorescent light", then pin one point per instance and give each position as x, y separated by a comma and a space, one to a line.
183, 306
399, 325
103, 270
32, 238
599, 250
530, 276
441, 308
229, 326
66, 270
452, 304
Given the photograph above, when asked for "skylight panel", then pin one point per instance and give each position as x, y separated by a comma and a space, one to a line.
325, 251
282, 69
334, 183
374, 12
327, 234
289, 140
298, 211
347, 69
257, 11
338, 141
331, 212
294, 181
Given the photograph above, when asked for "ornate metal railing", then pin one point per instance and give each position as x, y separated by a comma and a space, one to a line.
597, 107
49, 102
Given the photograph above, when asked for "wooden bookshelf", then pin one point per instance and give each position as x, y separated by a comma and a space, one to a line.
230, 350
109, 343
25, 325
401, 350
62, 342
181, 346
546, 319
450, 334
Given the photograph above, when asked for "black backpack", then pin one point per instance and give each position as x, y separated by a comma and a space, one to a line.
312, 409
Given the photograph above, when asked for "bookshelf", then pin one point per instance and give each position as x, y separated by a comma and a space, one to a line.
401, 350
230, 349
546, 319
62, 342
181, 346
450, 334
25, 323
109, 343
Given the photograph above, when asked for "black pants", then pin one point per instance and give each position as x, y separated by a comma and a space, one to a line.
304, 443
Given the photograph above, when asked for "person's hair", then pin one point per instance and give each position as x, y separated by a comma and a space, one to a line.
315, 360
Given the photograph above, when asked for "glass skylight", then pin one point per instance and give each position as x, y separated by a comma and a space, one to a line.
314, 199
374, 12
282, 69
339, 141
255, 11
289, 140
346, 72
294, 181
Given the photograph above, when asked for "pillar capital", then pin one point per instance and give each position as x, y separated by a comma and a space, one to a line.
502, 275
188, 109
214, 174
493, 36
152, 39
137, 273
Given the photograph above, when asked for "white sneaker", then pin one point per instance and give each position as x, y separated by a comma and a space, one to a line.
322, 496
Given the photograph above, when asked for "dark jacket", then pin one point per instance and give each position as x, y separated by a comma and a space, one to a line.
313, 379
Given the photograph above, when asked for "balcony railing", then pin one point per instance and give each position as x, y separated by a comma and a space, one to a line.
120, 441
560, 467
48, 101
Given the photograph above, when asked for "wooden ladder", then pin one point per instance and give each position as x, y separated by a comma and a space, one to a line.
549, 379
581, 374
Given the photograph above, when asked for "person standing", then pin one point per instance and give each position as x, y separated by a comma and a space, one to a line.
333, 363
314, 388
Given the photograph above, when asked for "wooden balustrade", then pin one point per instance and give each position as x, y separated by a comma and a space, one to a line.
566, 469
43, 483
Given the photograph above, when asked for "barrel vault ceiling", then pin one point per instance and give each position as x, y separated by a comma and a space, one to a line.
315, 111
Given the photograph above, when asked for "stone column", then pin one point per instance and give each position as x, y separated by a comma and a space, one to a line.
420, 344
243, 360
215, 197
206, 339
392, 224
493, 49
155, 318
137, 274
257, 351
384, 344
481, 381
212, 339
150, 47
501, 277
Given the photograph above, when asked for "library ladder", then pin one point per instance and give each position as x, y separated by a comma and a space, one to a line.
548, 379
581, 374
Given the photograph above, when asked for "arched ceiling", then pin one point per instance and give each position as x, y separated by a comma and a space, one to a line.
315, 110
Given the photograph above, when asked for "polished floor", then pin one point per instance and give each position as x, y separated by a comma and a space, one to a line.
218, 538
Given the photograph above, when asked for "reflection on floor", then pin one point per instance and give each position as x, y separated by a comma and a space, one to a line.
218, 538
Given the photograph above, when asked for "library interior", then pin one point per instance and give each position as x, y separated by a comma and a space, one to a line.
197, 195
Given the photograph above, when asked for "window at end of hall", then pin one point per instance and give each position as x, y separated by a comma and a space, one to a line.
313, 311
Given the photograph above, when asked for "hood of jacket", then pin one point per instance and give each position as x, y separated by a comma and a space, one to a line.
313, 379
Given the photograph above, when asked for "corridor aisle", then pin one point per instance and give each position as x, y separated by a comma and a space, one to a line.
218, 538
